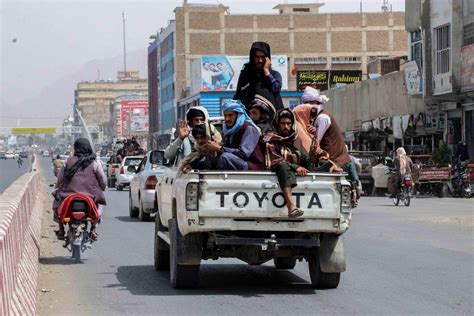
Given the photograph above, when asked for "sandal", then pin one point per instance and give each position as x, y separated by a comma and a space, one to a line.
94, 236
295, 213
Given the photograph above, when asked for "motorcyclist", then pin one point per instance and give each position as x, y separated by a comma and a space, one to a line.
403, 165
82, 173
57, 164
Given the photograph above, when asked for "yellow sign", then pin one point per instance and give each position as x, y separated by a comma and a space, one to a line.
33, 130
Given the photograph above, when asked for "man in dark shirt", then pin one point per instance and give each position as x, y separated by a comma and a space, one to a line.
258, 77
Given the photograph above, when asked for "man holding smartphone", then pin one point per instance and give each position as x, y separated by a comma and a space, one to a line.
258, 77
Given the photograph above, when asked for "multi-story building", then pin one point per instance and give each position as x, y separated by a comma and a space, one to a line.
310, 40
95, 99
441, 39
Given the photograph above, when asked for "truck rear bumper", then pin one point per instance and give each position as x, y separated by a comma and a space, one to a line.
304, 225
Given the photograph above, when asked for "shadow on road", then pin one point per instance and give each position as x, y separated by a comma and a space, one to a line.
58, 260
128, 219
215, 279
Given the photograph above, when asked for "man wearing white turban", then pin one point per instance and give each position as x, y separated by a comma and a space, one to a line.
313, 119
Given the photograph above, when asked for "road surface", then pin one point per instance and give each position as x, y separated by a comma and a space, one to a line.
400, 260
9, 171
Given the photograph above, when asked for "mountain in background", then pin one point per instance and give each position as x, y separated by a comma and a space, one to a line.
54, 102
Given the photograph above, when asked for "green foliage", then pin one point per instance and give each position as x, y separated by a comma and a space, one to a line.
442, 155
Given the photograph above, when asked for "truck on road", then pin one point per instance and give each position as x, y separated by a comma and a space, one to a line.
207, 215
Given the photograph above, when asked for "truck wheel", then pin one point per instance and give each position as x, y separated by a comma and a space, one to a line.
181, 276
442, 191
162, 249
131, 210
142, 215
319, 279
286, 263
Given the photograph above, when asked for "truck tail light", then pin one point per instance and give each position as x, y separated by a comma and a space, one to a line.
192, 196
150, 183
122, 171
346, 194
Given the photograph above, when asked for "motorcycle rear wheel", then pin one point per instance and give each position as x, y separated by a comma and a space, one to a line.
406, 200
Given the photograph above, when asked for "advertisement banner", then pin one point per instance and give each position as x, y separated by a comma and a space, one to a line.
221, 73
413, 78
134, 116
317, 79
467, 68
337, 77
33, 130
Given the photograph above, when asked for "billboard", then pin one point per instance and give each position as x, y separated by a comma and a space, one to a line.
134, 116
467, 68
325, 79
221, 73
33, 130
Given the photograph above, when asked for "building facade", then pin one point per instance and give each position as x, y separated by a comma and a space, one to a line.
441, 38
310, 40
95, 100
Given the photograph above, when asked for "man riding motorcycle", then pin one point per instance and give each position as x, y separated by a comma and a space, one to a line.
82, 173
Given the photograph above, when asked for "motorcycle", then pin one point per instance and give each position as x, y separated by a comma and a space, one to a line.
405, 189
77, 212
460, 183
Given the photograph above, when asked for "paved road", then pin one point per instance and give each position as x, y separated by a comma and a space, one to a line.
9, 171
400, 261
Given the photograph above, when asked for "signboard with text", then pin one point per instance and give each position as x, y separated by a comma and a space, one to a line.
325, 79
413, 78
317, 79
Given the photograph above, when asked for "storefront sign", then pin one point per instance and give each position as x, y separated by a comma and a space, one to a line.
446, 106
337, 77
317, 79
413, 78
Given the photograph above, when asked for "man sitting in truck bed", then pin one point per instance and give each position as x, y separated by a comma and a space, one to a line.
283, 158
240, 150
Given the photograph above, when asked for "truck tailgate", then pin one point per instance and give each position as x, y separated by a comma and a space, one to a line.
257, 195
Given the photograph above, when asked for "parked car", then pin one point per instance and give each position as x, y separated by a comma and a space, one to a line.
127, 170
2, 155
142, 187
9, 154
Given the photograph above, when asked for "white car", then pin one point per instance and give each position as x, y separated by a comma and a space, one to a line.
10, 154
127, 170
142, 187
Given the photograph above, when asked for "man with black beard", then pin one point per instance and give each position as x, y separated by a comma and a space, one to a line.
258, 77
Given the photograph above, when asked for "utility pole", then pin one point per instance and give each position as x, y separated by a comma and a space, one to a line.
124, 46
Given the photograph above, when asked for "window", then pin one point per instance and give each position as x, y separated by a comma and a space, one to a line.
416, 48
346, 60
300, 9
468, 34
442, 36
310, 60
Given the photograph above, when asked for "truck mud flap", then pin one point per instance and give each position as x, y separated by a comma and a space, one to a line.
189, 250
331, 254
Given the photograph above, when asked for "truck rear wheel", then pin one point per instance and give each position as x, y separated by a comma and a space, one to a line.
320, 279
181, 276
162, 249
287, 263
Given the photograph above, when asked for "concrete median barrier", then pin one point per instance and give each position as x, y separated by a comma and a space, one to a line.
21, 207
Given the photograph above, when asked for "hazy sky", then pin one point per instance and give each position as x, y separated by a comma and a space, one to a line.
55, 38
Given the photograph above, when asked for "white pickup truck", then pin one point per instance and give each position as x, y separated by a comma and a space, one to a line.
241, 214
